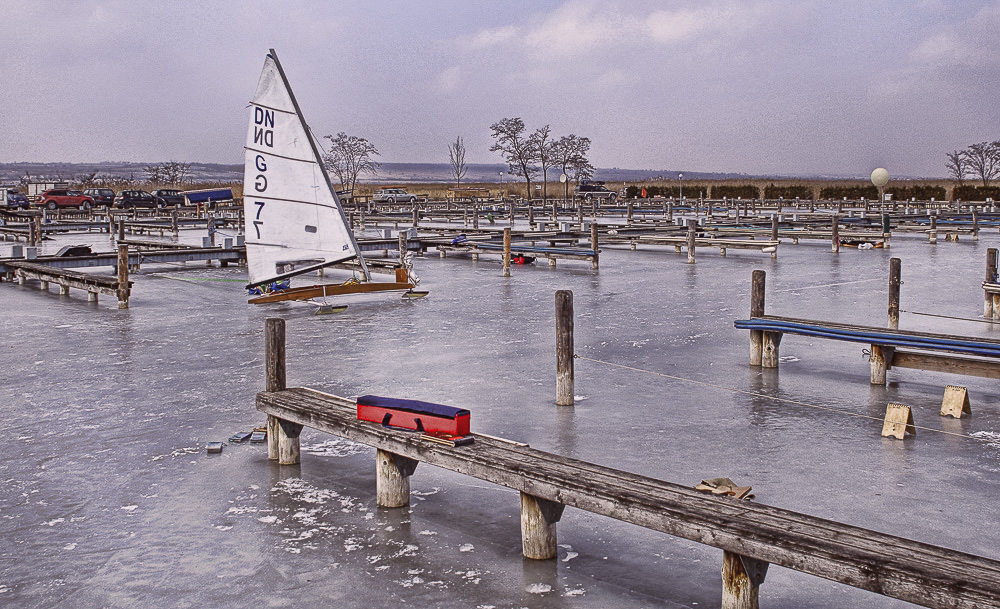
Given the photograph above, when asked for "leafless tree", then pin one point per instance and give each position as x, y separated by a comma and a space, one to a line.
349, 157
543, 148
87, 180
456, 152
517, 149
958, 166
153, 174
983, 161
570, 153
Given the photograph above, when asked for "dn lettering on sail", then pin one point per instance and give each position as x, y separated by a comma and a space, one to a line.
263, 128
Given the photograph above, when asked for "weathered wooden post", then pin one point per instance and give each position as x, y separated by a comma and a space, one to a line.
555, 210
670, 211
538, 527
894, 283
564, 348
506, 252
756, 310
835, 246
402, 247
741, 580
932, 235
123, 290
989, 310
174, 226
595, 261
465, 215
774, 227
475, 215
690, 240
629, 209
975, 223
392, 479
121, 229
416, 215
282, 436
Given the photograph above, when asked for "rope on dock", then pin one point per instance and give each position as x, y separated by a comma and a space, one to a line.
982, 321
775, 398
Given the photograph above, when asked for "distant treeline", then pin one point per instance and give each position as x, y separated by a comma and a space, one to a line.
853, 192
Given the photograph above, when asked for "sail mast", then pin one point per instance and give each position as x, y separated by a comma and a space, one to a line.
322, 168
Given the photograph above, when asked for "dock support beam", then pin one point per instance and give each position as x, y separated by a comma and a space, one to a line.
756, 310
741, 580
538, 527
506, 252
564, 348
392, 479
989, 311
595, 261
123, 289
894, 283
836, 234
282, 436
690, 240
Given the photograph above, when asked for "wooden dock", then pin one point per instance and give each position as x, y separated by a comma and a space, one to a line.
752, 535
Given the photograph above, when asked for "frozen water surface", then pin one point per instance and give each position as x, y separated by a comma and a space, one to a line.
108, 498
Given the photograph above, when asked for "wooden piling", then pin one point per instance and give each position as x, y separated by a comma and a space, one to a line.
756, 310
506, 252
932, 235
991, 277
274, 365
894, 283
538, 527
392, 479
690, 240
123, 289
774, 227
174, 226
835, 246
740, 590
975, 223
564, 348
401, 238
878, 360
595, 261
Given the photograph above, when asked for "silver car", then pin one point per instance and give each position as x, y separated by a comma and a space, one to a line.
393, 195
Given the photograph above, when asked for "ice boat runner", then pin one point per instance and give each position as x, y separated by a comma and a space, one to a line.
294, 222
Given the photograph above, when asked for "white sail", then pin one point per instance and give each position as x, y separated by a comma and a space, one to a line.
292, 214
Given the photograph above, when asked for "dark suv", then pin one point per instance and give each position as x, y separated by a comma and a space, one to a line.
60, 197
101, 196
127, 199
591, 189
169, 196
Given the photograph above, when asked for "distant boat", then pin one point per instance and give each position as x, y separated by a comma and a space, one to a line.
294, 222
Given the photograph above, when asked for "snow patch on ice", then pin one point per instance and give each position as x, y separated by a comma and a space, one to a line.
336, 447
466, 547
538, 588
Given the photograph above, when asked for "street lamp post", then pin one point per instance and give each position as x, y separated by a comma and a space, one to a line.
680, 181
501, 186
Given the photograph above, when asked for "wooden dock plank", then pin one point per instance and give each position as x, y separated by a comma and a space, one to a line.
904, 569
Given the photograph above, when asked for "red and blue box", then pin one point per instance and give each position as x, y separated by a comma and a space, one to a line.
414, 415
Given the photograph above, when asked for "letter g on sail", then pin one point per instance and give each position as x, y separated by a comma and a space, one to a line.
260, 183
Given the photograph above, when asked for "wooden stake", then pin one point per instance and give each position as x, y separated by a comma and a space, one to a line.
392, 479
274, 365
879, 361
756, 310
955, 402
836, 234
564, 348
740, 589
123, 289
506, 252
898, 421
894, 283
991, 277
594, 262
538, 527
690, 240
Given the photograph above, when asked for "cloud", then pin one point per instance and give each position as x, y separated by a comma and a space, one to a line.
448, 80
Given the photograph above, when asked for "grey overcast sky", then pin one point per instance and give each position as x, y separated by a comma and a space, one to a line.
786, 87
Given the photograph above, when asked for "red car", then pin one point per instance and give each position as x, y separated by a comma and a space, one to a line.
56, 198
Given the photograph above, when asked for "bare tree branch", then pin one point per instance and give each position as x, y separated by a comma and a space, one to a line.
519, 151
349, 157
456, 152
983, 160
958, 166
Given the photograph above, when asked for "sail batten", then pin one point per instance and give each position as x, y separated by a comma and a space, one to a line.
291, 210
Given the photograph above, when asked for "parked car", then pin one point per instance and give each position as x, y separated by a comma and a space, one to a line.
58, 197
393, 195
16, 200
169, 196
101, 196
127, 199
592, 189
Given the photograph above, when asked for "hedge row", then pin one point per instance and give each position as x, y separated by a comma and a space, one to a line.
849, 192
788, 192
748, 191
976, 193
692, 191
